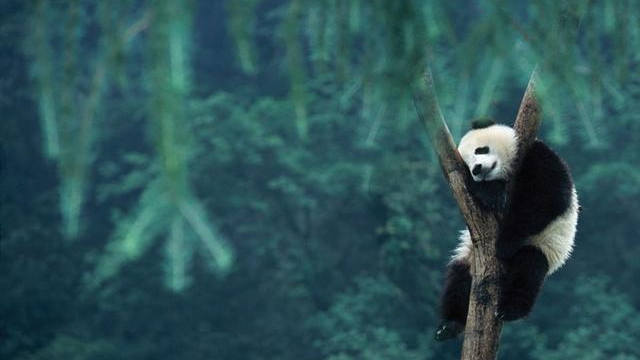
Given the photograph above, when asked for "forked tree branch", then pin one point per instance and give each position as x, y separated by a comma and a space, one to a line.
483, 328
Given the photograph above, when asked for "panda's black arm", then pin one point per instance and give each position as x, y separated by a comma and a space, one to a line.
491, 195
542, 192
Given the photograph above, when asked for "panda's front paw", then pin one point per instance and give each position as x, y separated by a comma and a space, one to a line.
448, 329
505, 251
490, 194
493, 204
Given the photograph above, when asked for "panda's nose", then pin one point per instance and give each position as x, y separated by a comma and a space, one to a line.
476, 169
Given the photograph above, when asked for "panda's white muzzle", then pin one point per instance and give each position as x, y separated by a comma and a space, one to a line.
483, 169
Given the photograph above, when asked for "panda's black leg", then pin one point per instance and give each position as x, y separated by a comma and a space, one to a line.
526, 272
509, 242
455, 300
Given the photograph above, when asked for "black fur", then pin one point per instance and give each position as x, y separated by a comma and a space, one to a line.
455, 300
525, 274
490, 194
482, 123
542, 192
526, 271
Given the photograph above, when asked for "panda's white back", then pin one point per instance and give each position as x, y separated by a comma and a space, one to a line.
556, 240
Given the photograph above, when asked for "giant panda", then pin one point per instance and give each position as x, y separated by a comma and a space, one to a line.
537, 231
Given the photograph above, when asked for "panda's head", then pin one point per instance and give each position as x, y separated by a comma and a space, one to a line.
488, 150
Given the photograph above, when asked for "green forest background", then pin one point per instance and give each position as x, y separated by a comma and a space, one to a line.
248, 179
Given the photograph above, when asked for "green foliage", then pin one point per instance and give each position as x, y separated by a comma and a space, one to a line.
619, 201
299, 172
242, 19
357, 325
69, 129
601, 324
69, 348
167, 205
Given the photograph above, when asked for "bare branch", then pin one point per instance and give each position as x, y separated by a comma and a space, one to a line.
528, 119
453, 167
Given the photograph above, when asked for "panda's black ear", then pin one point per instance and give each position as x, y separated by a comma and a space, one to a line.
482, 123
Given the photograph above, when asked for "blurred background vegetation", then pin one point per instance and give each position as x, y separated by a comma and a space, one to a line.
248, 180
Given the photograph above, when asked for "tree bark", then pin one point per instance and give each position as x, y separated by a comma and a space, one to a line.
483, 328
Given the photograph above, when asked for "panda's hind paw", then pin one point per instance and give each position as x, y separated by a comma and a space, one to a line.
448, 329
512, 312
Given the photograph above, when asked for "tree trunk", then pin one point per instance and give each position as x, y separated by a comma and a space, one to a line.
483, 328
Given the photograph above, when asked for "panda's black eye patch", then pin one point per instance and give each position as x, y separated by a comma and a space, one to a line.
482, 150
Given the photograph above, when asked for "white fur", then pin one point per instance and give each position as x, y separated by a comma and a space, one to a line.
503, 146
556, 240
464, 248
